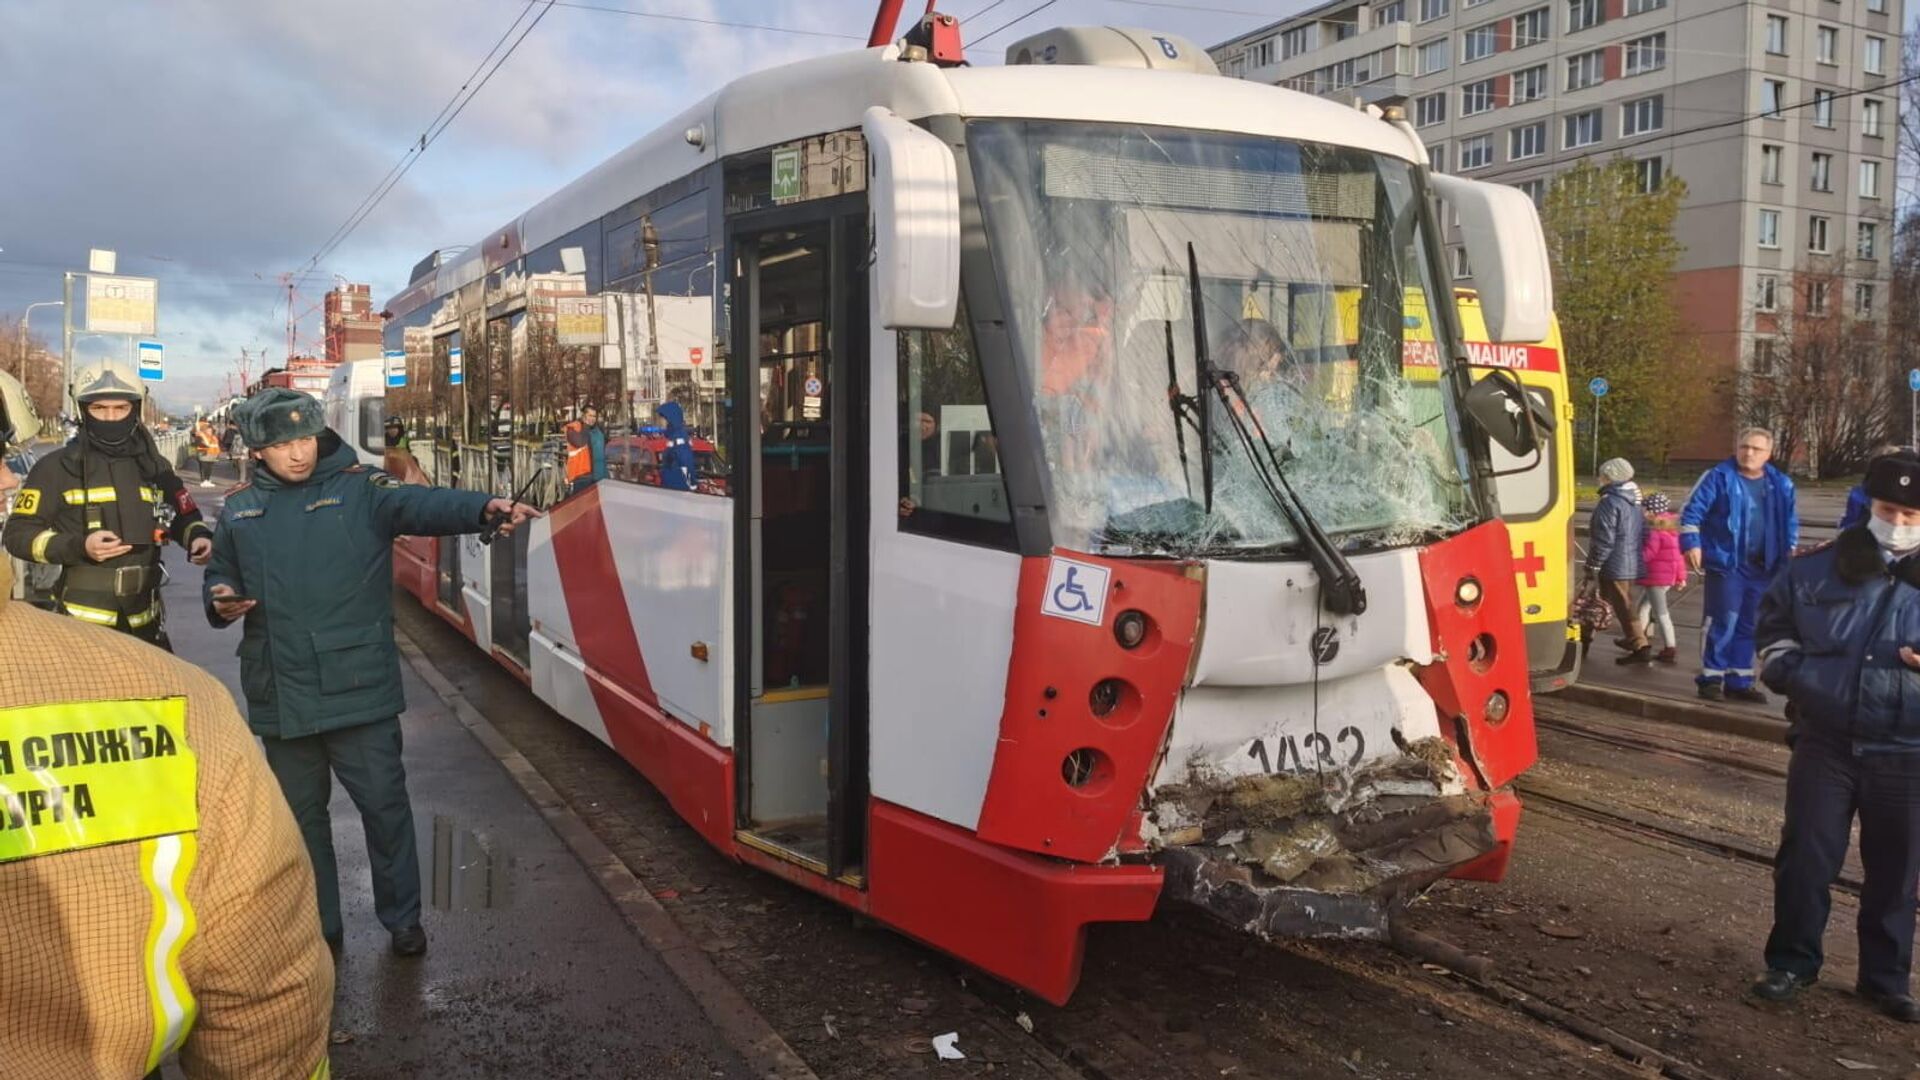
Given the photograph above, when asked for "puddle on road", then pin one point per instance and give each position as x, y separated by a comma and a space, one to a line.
468, 872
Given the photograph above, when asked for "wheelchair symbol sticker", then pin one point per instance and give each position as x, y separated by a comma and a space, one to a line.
1077, 591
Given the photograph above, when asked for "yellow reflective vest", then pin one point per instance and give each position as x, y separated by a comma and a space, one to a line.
157, 896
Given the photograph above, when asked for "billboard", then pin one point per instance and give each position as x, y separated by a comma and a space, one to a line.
581, 320
122, 305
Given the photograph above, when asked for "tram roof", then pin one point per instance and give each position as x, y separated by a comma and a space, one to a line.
831, 93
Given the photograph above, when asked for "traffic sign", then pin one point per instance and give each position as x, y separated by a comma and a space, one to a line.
152, 361
1598, 387
396, 368
813, 386
1913, 379
456, 371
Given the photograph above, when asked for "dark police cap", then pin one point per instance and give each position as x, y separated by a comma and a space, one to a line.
277, 414
1895, 478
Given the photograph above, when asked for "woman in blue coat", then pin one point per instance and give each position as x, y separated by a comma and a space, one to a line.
1837, 634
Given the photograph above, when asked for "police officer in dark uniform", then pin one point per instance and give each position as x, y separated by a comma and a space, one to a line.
1838, 633
90, 507
305, 555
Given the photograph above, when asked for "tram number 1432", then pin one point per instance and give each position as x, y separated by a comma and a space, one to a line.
1290, 754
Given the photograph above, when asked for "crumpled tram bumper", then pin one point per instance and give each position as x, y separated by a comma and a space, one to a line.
1357, 872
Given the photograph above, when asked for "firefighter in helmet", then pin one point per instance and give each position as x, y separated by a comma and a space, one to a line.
98, 508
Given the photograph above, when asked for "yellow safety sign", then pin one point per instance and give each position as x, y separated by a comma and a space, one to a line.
89, 773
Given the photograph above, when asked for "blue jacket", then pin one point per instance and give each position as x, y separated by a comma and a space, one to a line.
1715, 519
1833, 646
1858, 506
317, 653
677, 465
1614, 533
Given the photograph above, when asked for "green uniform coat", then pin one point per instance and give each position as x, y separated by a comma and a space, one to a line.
317, 653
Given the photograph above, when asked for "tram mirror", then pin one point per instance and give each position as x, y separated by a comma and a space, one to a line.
1500, 405
914, 195
1507, 249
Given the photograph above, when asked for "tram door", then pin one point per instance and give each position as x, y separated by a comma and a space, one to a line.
799, 309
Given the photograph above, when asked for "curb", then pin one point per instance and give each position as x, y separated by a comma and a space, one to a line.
744, 1029
1674, 711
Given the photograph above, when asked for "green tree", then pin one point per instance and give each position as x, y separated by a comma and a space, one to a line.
1613, 253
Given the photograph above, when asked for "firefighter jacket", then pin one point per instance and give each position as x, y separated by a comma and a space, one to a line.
158, 896
317, 653
80, 489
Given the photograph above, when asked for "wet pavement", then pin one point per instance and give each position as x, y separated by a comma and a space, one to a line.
531, 970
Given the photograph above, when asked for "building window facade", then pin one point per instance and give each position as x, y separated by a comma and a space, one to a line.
1866, 240
1582, 14
1532, 27
1874, 62
1863, 299
1817, 234
1476, 152
1651, 171
1643, 116
1821, 177
1389, 14
1529, 141
1535, 189
1581, 129
1770, 158
1816, 298
1646, 54
1826, 45
1823, 108
1773, 96
1766, 295
1878, 7
1294, 42
1587, 69
1769, 231
1870, 119
1434, 9
1437, 157
1461, 267
1476, 44
1476, 98
1777, 35
1869, 179
1530, 85
1430, 110
1641, 7
1431, 57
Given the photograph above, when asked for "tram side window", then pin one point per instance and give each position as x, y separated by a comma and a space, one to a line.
950, 477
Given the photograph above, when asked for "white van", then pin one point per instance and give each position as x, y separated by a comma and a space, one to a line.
356, 408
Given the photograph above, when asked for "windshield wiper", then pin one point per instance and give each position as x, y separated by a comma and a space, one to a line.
1187, 410
1343, 592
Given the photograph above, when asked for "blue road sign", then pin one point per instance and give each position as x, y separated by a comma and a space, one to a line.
1598, 387
1913, 379
396, 368
152, 361
456, 370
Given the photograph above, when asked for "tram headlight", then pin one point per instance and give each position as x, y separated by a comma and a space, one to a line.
1498, 706
1130, 629
1467, 593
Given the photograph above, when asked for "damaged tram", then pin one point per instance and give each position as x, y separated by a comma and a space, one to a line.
1079, 537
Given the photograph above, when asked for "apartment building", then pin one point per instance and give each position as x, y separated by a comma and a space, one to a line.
1780, 115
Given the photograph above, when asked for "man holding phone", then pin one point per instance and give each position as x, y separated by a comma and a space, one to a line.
304, 555
89, 507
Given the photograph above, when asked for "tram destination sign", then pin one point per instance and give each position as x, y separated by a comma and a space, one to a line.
122, 305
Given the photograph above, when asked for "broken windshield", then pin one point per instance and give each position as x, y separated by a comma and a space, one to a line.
1314, 273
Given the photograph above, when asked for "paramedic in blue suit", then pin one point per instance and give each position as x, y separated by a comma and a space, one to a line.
1740, 527
677, 464
1838, 633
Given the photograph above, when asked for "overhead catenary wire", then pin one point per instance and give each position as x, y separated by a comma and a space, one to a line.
1010, 22
726, 23
444, 119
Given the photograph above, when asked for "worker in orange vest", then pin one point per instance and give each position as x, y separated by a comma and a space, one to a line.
206, 448
586, 450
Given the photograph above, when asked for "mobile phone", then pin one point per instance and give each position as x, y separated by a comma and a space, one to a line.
235, 598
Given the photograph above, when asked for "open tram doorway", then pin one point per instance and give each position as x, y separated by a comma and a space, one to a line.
799, 315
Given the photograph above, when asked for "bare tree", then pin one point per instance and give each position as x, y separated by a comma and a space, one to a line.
1822, 378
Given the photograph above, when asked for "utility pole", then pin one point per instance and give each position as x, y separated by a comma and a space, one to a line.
66, 338
24, 316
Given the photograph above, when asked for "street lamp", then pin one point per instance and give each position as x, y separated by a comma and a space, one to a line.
24, 316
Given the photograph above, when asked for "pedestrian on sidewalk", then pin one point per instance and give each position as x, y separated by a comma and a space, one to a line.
305, 555
1740, 527
1837, 633
1665, 569
206, 449
157, 900
1613, 553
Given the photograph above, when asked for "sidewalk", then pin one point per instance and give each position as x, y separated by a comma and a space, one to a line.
532, 971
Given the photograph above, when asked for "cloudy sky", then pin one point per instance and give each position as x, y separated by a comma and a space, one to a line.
216, 144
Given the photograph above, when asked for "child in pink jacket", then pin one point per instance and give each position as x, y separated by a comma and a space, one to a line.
1660, 552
